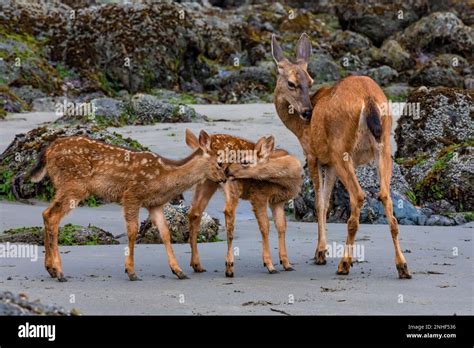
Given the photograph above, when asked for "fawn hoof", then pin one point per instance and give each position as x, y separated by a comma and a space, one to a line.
61, 278
133, 277
320, 258
289, 269
229, 274
403, 272
344, 267
198, 268
180, 275
273, 271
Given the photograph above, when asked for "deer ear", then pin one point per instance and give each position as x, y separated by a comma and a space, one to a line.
303, 49
191, 140
264, 147
204, 141
277, 52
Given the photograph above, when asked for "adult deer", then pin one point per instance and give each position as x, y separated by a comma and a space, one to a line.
80, 167
265, 177
339, 128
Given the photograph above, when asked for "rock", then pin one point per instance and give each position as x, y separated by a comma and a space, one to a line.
440, 220
433, 74
397, 91
441, 207
148, 109
323, 68
394, 55
248, 84
141, 109
177, 217
27, 93
445, 117
377, 21
107, 107
11, 304
10, 102
22, 153
383, 75
68, 235
435, 146
349, 41
47, 104
439, 32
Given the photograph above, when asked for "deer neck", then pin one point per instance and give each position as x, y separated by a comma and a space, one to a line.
292, 121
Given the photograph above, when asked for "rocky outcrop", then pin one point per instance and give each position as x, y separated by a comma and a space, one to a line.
177, 217
68, 235
435, 148
11, 304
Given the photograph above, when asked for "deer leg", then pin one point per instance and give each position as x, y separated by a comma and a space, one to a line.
320, 253
231, 201
345, 171
158, 219
131, 219
385, 174
327, 179
52, 216
260, 210
278, 212
202, 195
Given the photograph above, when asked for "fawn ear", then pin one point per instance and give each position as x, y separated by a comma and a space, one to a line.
303, 49
204, 141
264, 147
191, 140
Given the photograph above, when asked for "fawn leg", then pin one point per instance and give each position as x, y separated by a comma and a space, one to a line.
202, 195
231, 201
278, 212
59, 207
260, 210
158, 219
131, 218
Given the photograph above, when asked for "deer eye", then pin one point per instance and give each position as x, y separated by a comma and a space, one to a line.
220, 164
291, 85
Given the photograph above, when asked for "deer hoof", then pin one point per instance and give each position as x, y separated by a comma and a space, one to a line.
198, 268
289, 269
403, 272
52, 272
273, 271
344, 267
133, 277
229, 274
181, 275
61, 278
320, 258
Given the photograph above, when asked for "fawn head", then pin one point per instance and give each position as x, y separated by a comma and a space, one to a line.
215, 169
250, 168
293, 81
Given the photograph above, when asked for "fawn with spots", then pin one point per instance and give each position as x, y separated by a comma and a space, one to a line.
268, 177
79, 167
339, 128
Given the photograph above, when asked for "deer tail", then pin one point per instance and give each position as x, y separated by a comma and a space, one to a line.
372, 114
38, 172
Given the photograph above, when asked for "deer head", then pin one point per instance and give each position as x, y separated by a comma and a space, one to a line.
249, 168
215, 169
294, 82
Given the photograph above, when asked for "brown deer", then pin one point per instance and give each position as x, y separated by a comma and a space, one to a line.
339, 128
266, 177
80, 167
